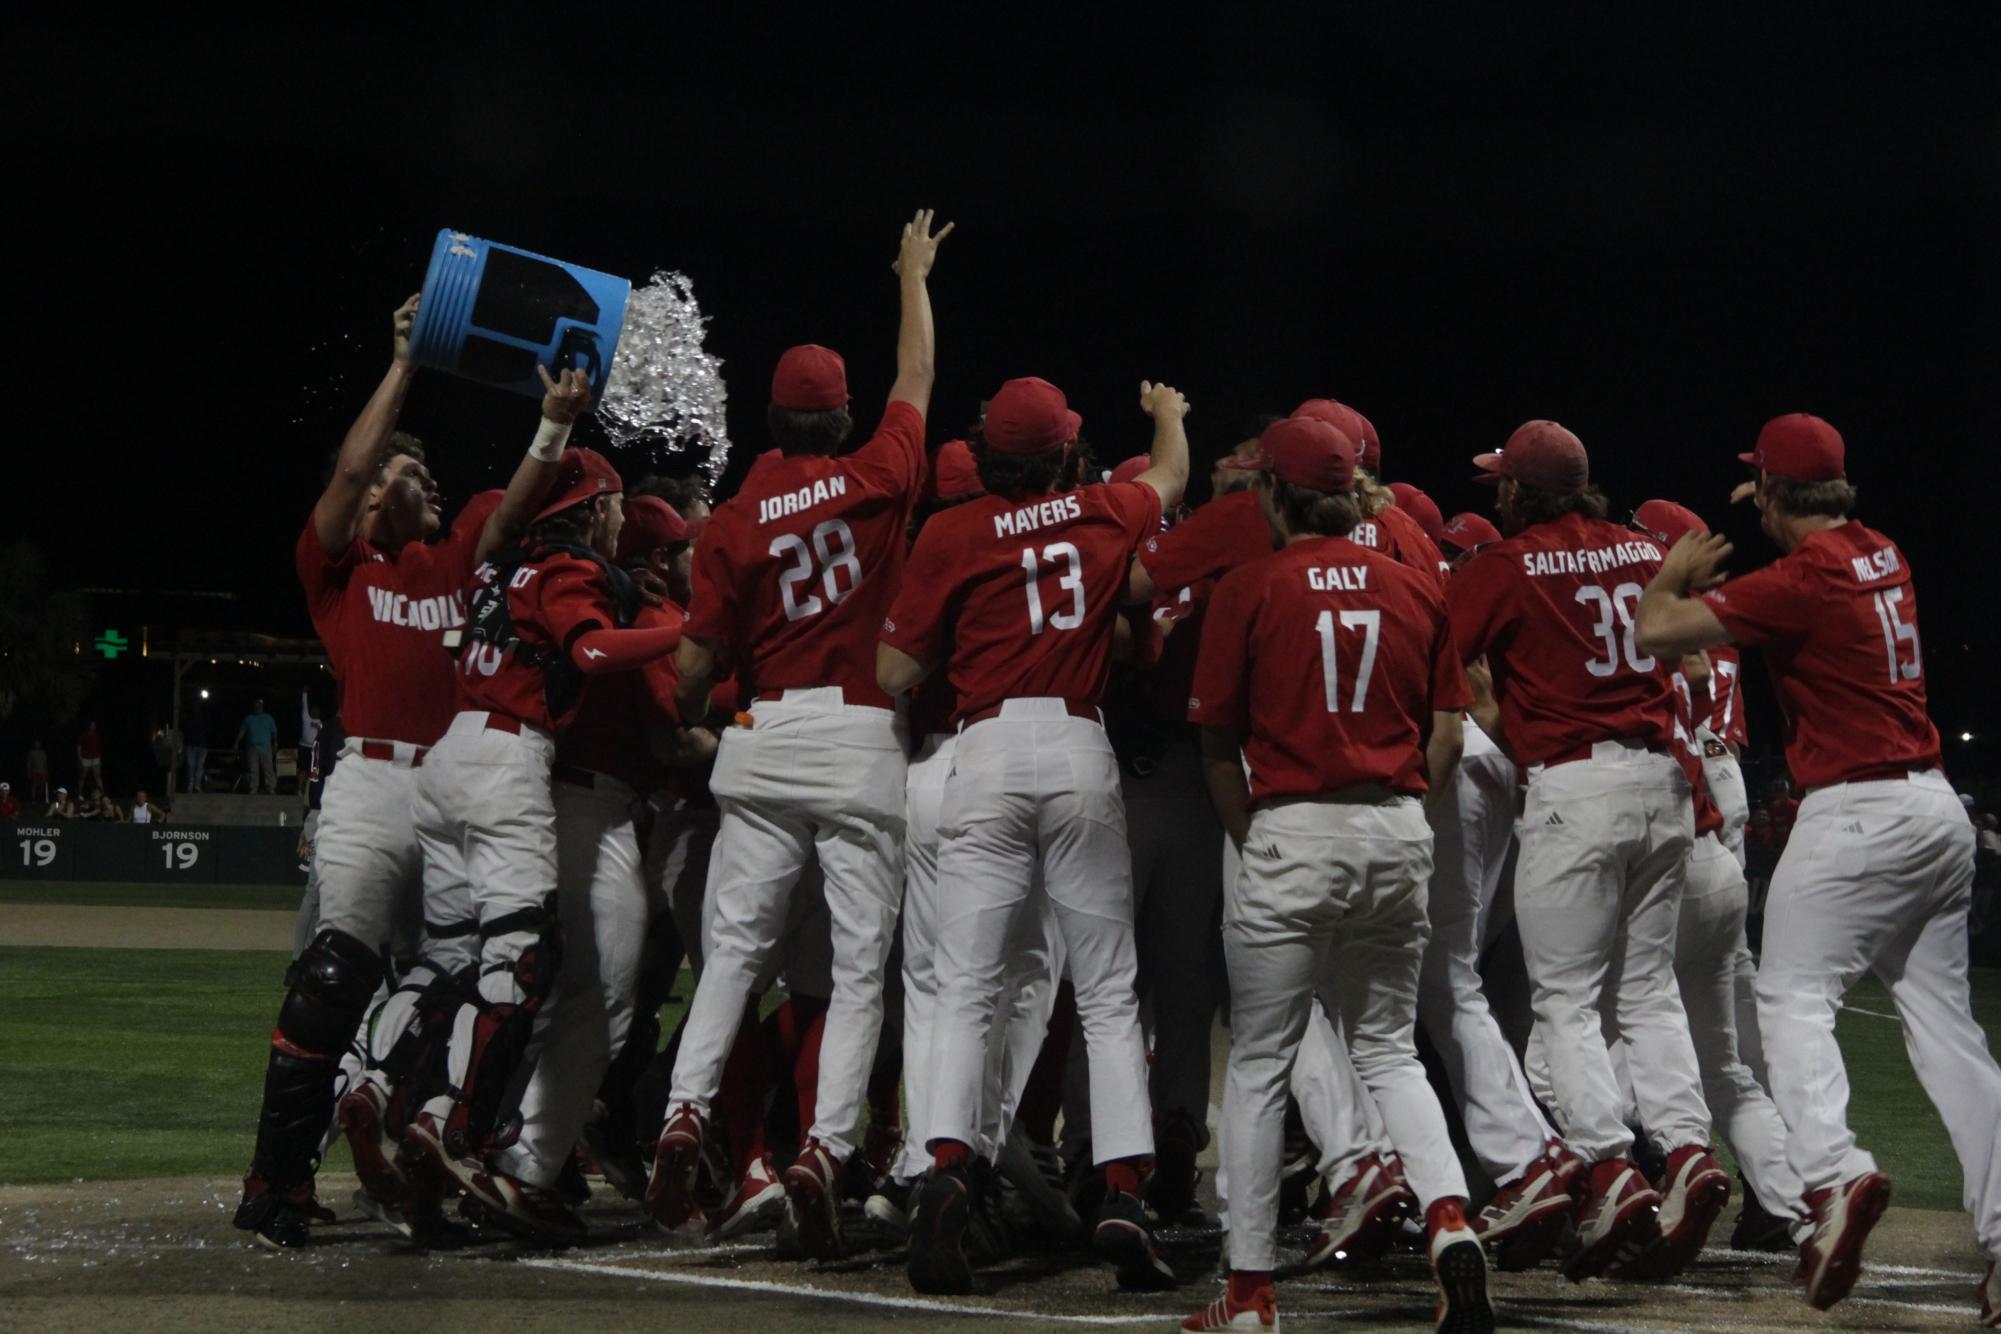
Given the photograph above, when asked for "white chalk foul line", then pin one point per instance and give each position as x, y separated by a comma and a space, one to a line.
835, 1295
1873, 1014
1871, 1267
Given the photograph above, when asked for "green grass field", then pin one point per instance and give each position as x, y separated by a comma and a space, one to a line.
119, 1063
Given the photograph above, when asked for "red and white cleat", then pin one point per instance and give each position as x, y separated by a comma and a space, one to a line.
1620, 1220
1696, 1189
670, 1194
1358, 1222
362, 1113
1459, 1264
755, 1203
812, 1185
1831, 1258
1260, 1313
1522, 1222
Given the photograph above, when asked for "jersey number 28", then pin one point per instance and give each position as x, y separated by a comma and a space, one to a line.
834, 548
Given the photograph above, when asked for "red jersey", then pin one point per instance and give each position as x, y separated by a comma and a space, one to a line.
1720, 703
1227, 532
1552, 609
1837, 617
1379, 636
551, 600
611, 731
1401, 538
383, 616
793, 574
1018, 595
1688, 753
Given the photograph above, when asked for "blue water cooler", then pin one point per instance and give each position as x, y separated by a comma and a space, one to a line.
493, 313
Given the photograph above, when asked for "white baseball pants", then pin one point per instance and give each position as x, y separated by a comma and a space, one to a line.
1331, 896
1724, 777
811, 777
601, 900
1471, 826
1037, 788
1877, 878
677, 868
1598, 884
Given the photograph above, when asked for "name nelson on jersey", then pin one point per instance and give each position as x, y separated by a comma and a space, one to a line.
1594, 560
1031, 517
792, 502
1881, 564
441, 612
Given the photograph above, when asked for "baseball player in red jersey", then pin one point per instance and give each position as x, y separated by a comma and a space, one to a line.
1335, 847
791, 578
1877, 876
1384, 527
1605, 831
381, 598
1016, 593
607, 760
546, 615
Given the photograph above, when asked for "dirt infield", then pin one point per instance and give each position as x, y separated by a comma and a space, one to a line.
81, 926
161, 1255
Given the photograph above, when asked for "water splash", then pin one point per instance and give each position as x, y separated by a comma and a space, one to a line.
664, 392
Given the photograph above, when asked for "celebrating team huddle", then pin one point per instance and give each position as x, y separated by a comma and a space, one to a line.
1011, 775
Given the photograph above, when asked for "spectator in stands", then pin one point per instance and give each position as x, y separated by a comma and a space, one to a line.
61, 807
38, 773
144, 811
258, 736
1990, 835
89, 760
166, 756
10, 809
194, 745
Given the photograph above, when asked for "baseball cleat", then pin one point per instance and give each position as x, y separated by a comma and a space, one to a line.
362, 1117
1124, 1237
462, 1176
1758, 1228
812, 1184
1831, 1258
868, 1167
1569, 1167
1459, 1264
275, 1215
369, 1207
1357, 1223
1619, 1221
1523, 1221
528, 1211
938, 1263
670, 1195
1696, 1191
622, 1167
1260, 1313
754, 1204
1990, 1298
891, 1205
1170, 1190
1052, 1208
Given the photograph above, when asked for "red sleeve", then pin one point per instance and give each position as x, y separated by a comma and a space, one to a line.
893, 458
1222, 666
599, 652
712, 603
1202, 546
566, 599
1767, 606
1480, 602
319, 573
918, 619
1450, 690
659, 676
1137, 507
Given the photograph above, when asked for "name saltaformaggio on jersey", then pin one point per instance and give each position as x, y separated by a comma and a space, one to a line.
1592, 560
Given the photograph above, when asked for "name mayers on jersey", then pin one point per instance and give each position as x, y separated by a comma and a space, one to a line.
442, 612
792, 502
1593, 560
1031, 517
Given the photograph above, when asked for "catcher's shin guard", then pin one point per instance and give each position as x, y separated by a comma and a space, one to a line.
330, 983
519, 960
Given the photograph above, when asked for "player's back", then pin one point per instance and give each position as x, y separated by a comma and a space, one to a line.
794, 573
1552, 608
1030, 586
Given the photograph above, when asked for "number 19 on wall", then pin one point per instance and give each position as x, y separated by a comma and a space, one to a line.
180, 856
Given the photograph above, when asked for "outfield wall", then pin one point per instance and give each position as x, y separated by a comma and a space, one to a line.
166, 853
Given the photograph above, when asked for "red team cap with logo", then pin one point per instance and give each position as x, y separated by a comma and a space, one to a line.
1420, 507
955, 473
1306, 451
1801, 447
1030, 416
1540, 454
810, 378
1668, 521
1130, 470
582, 474
1466, 530
1349, 423
650, 523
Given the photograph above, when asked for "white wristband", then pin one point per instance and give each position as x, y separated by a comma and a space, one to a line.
550, 438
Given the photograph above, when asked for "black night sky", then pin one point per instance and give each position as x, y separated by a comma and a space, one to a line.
1657, 227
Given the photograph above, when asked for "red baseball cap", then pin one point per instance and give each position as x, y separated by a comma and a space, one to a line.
1420, 507
1305, 451
955, 474
1540, 454
810, 378
1668, 521
650, 523
1131, 468
1349, 423
1801, 447
1466, 530
1030, 416
582, 474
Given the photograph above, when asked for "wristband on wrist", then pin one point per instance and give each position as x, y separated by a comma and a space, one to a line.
550, 437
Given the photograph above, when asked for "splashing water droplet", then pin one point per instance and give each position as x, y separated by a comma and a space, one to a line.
664, 392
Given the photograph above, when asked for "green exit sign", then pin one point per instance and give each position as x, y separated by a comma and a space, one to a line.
110, 643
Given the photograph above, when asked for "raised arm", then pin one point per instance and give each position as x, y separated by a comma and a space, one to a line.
1168, 474
339, 510
1669, 622
695, 670
563, 401
916, 343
